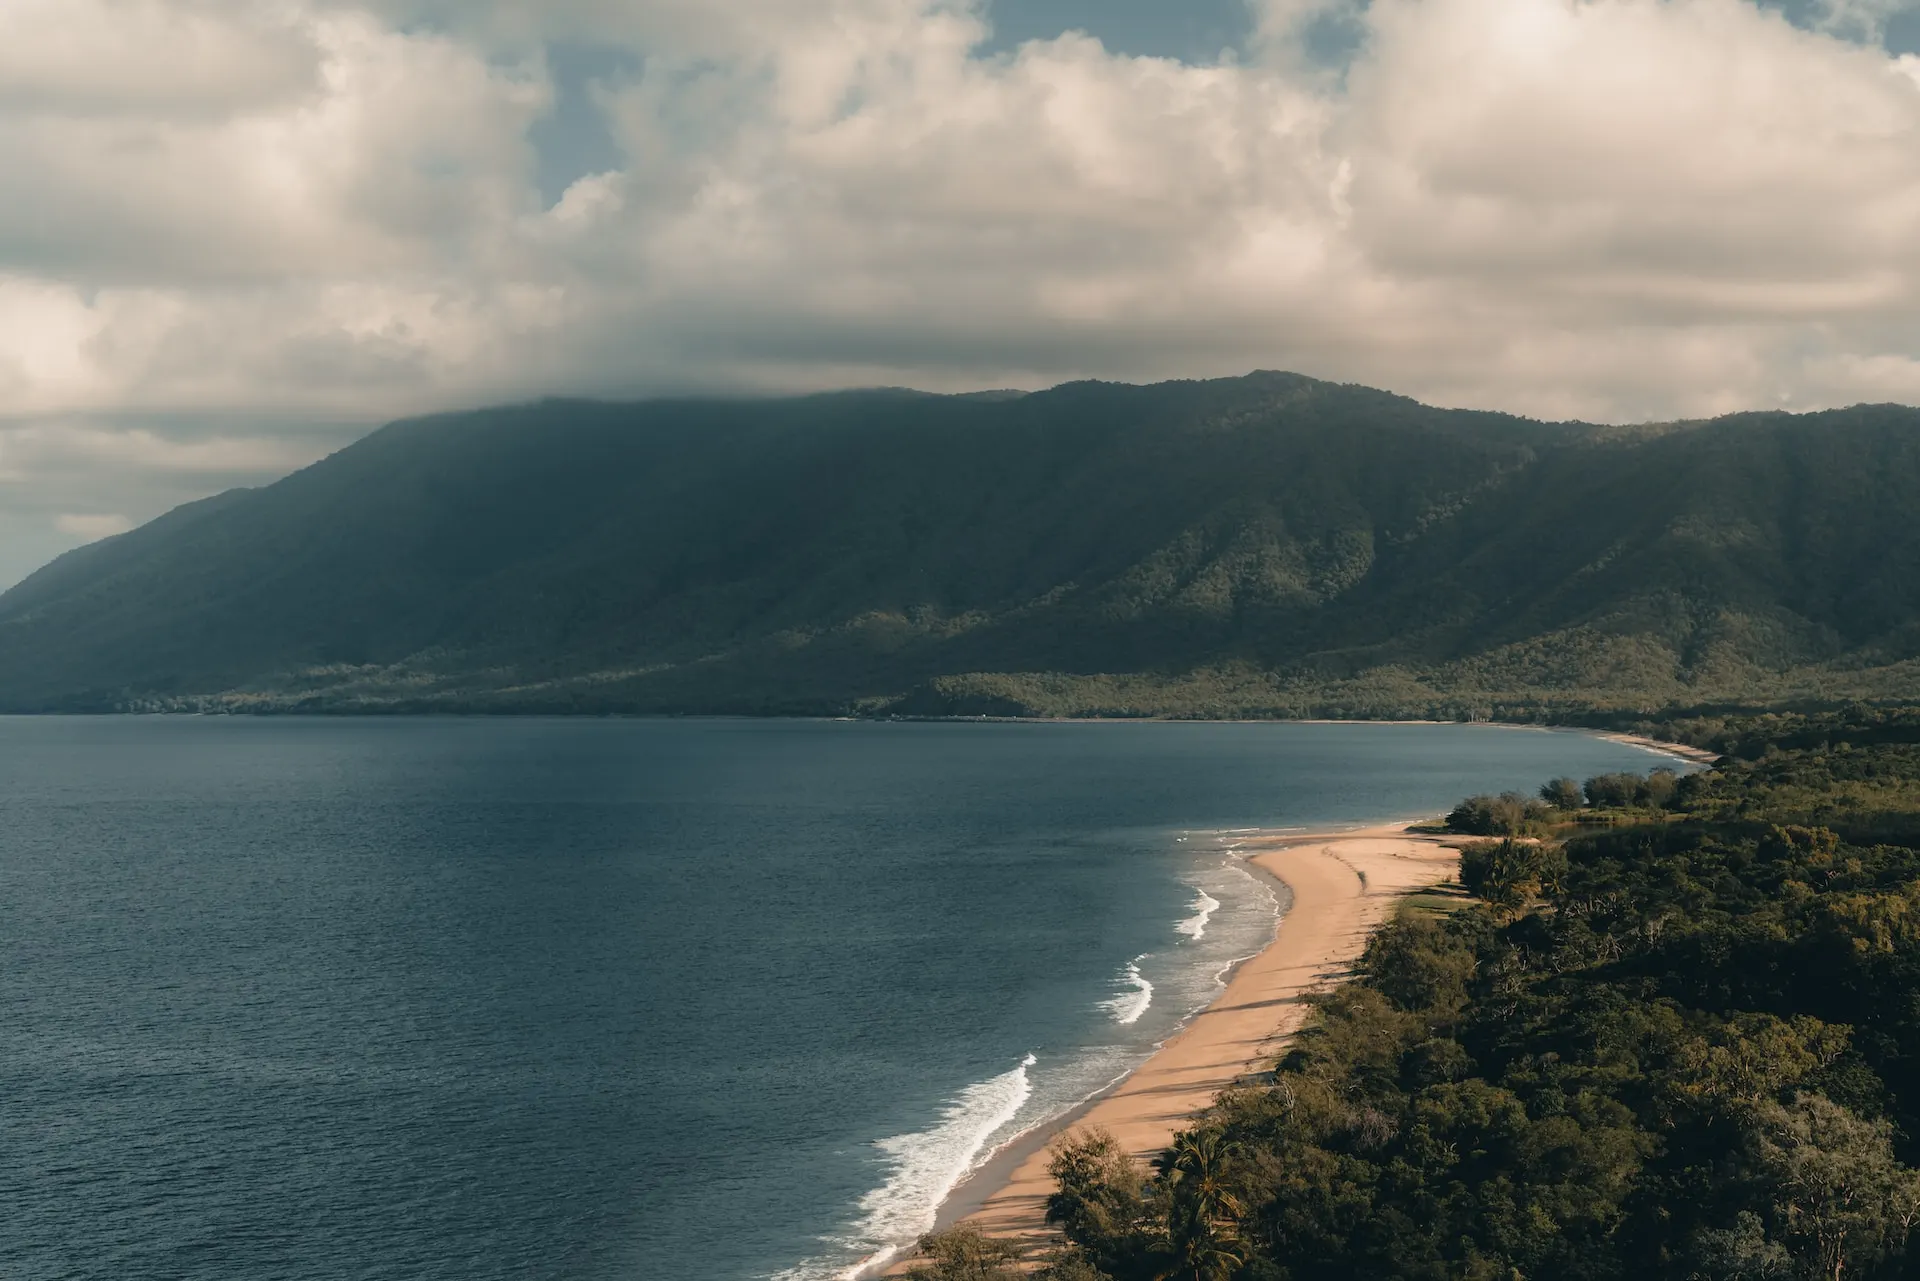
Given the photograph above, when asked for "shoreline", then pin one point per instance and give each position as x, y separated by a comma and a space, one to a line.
972, 1193
1658, 746
1696, 754
1693, 755
1340, 885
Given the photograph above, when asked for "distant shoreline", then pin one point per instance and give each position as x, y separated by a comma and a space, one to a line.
1697, 755
1694, 754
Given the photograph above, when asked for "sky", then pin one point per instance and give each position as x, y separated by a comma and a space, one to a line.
236, 234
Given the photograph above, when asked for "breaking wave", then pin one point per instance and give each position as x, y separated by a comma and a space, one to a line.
1132, 1003
925, 1167
1195, 926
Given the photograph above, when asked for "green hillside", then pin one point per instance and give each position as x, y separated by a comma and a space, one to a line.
1255, 546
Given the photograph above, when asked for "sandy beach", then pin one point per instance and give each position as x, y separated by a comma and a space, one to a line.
1343, 885
1695, 755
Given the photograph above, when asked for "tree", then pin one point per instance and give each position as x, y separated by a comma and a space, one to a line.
1419, 966
1098, 1199
1510, 873
1752, 1058
1739, 1253
1203, 1212
1504, 815
965, 1253
1071, 1264
1837, 1188
1563, 794
1613, 791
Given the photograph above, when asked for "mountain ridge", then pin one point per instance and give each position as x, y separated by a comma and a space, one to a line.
1265, 545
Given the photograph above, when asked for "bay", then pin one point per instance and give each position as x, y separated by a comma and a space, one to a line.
713, 999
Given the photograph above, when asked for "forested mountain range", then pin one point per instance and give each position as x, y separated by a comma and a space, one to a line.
1267, 545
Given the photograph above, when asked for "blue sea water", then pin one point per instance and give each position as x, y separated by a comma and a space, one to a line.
599, 999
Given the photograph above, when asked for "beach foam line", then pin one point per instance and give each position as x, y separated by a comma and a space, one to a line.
1195, 988
1195, 926
1326, 913
1265, 885
1131, 1004
929, 1164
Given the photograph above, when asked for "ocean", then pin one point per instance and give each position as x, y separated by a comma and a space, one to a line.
612, 1000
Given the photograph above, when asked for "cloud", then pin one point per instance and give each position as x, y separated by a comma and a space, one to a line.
395, 158
321, 210
48, 446
58, 470
104, 57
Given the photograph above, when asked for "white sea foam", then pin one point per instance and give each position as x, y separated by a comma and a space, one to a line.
1270, 901
1263, 885
1239, 907
1132, 1003
1195, 926
928, 1165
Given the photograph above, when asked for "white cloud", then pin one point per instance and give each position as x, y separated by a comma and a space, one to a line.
102, 57
62, 478
405, 157
1856, 19
1614, 208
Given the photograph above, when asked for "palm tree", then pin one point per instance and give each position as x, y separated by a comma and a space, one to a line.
1202, 1258
1203, 1214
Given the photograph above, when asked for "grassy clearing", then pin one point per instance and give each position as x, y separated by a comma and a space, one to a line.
1442, 900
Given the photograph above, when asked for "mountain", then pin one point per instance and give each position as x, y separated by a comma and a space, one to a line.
1268, 545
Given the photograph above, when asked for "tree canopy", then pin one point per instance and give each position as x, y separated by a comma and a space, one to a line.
1676, 1039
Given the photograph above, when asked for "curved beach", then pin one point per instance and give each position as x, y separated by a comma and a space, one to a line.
1343, 885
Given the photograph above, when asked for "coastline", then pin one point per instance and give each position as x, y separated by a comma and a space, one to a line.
1342, 885
1658, 746
1693, 755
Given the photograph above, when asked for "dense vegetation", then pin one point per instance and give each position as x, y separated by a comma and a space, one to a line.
1677, 1037
1268, 545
